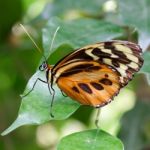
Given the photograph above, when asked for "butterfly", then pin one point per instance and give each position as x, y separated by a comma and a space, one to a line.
94, 74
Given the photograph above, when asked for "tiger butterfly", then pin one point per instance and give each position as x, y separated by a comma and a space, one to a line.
94, 74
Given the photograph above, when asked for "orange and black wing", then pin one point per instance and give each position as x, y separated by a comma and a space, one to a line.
118, 59
95, 84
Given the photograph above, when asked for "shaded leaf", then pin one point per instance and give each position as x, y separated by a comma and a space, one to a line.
145, 68
85, 6
90, 140
35, 107
73, 8
59, 53
135, 127
9, 16
148, 78
78, 33
136, 13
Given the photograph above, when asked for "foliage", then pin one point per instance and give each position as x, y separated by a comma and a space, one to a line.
90, 139
80, 23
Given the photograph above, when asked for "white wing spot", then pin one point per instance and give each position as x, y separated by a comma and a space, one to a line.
122, 66
123, 48
109, 51
107, 61
133, 65
132, 57
122, 72
89, 52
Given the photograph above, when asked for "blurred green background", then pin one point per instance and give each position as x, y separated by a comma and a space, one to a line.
127, 117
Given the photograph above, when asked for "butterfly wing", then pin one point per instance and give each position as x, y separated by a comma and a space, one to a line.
119, 59
94, 85
123, 56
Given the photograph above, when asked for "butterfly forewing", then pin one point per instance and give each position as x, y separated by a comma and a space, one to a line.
94, 74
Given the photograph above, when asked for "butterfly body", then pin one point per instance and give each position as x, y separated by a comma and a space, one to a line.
94, 74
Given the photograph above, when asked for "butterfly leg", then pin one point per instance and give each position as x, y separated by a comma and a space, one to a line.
97, 118
38, 79
52, 100
63, 93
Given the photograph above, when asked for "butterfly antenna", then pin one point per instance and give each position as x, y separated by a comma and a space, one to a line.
38, 48
25, 30
51, 46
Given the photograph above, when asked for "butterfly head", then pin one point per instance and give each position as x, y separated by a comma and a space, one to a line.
43, 66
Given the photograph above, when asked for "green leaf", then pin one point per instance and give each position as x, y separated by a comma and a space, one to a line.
71, 9
78, 33
148, 78
63, 7
59, 53
35, 107
145, 68
90, 140
135, 127
136, 13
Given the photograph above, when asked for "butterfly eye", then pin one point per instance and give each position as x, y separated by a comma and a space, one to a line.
43, 66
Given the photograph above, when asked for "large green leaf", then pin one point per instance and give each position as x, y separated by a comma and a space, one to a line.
135, 129
79, 33
90, 140
35, 107
136, 13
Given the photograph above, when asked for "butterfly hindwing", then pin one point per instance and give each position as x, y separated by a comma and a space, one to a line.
93, 85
